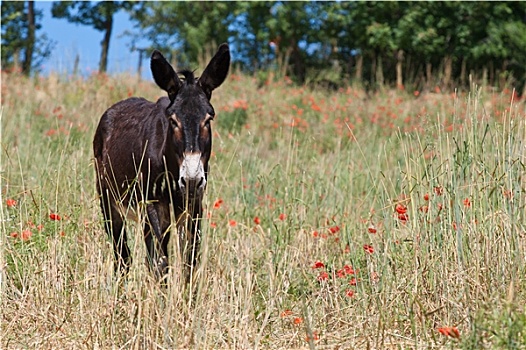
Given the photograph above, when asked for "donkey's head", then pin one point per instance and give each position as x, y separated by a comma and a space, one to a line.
190, 113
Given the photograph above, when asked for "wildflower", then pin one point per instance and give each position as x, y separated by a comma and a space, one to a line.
256, 220
213, 225
368, 248
467, 203
371, 229
334, 229
353, 281
298, 320
318, 265
401, 209
424, 209
349, 293
62, 234
40, 227
286, 313
416, 93
232, 223
340, 273
349, 270
10, 203
314, 337
26, 235
426, 196
438, 190
403, 217
217, 203
55, 217
282, 216
315, 234
323, 276
449, 332
14, 234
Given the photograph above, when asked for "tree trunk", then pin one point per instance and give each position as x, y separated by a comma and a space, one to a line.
491, 73
379, 71
399, 75
30, 40
463, 70
359, 68
105, 44
448, 69
373, 70
429, 71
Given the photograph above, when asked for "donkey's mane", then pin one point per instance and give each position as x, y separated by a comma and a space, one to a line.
188, 76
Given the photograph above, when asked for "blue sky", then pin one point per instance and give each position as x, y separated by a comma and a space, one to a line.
72, 39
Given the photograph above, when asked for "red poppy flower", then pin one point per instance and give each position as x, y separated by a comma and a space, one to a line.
368, 248
401, 209
10, 202
449, 332
349, 293
314, 337
334, 229
54, 216
232, 223
286, 313
318, 265
349, 270
298, 320
467, 202
26, 235
256, 220
426, 196
217, 203
371, 229
282, 216
323, 276
403, 217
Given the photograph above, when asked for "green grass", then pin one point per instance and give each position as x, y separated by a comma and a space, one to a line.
320, 171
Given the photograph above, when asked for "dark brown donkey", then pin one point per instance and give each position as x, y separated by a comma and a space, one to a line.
152, 160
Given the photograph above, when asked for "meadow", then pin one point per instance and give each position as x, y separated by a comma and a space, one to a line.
334, 219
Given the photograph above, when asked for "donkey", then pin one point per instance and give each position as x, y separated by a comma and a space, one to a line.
152, 160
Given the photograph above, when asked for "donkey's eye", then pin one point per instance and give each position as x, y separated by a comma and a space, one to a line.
174, 121
208, 119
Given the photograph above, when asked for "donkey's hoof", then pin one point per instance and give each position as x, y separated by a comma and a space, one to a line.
162, 267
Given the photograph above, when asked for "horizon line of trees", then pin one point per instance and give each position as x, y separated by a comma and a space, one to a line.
424, 44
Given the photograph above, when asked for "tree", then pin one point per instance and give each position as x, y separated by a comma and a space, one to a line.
20, 23
185, 31
98, 15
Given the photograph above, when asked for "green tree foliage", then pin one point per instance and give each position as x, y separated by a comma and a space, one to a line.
22, 48
185, 31
98, 15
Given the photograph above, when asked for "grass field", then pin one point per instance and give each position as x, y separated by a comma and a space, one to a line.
334, 220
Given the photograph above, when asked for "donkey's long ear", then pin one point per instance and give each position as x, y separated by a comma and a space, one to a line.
216, 71
164, 75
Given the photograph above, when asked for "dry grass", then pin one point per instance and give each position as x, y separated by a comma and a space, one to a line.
439, 177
